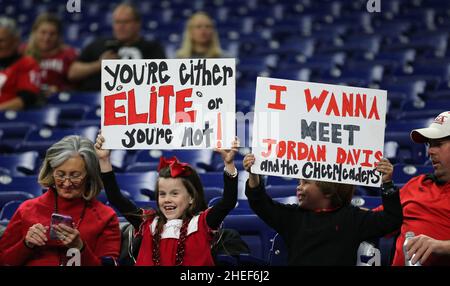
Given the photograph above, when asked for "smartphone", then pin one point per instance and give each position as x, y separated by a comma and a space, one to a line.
59, 219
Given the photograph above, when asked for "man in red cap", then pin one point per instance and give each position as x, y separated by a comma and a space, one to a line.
426, 201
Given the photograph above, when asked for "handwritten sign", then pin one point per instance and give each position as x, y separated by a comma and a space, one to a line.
318, 131
168, 104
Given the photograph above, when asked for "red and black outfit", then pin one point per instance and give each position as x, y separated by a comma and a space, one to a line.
426, 210
199, 230
98, 226
19, 77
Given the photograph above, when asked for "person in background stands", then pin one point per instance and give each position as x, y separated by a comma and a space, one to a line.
127, 43
47, 47
19, 75
200, 38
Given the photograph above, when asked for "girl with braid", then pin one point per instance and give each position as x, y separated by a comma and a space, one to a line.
181, 229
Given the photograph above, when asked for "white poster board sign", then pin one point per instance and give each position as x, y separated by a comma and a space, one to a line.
168, 104
318, 131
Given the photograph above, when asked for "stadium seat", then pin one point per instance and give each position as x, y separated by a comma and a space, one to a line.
8, 196
281, 191
21, 164
83, 98
404, 172
368, 202
104, 199
13, 134
137, 184
28, 184
8, 210
40, 140
253, 231
399, 148
45, 117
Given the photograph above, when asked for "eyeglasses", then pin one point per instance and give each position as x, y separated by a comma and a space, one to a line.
74, 179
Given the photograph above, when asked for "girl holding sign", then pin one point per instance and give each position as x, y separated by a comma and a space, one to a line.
181, 230
324, 228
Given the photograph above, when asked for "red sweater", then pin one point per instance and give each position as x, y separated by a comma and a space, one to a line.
99, 231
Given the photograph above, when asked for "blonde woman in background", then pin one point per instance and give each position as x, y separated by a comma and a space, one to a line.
200, 38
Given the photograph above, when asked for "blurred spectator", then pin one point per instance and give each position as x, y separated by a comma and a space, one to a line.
71, 172
19, 75
47, 47
127, 43
200, 38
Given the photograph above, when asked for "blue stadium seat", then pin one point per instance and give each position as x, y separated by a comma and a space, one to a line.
20, 164
399, 148
368, 202
15, 130
118, 159
253, 231
44, 117
8, 210
8, 196
28, 184
281, 191
212, 192
69, 114
84, 98
407, 125
137, 184
93, 115
426, 109
104, 199
40, 140
146, 204
212, 179
141, 167
404, 172
46, 134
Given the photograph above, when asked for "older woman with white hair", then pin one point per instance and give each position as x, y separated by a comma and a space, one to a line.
35, 236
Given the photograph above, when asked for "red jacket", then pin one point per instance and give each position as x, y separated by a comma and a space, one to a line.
99, 231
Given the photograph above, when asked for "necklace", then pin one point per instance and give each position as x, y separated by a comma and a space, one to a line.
82, 211
61, 251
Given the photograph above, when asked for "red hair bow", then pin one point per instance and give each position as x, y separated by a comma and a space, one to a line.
177, 168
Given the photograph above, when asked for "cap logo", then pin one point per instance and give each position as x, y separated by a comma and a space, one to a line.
440, 119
